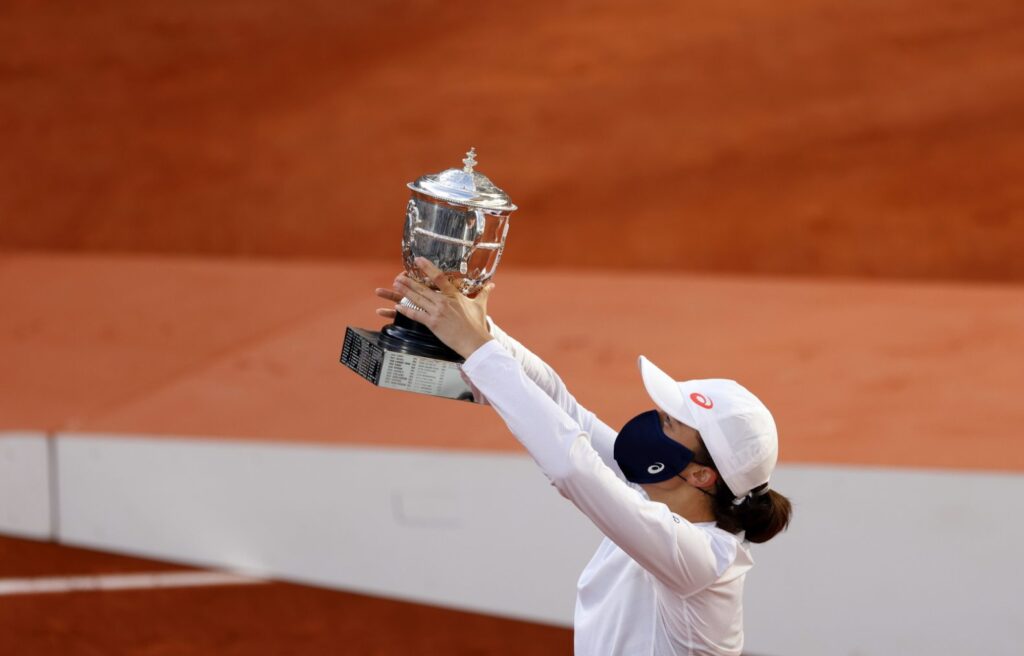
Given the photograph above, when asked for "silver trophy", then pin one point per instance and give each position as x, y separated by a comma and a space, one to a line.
458, 220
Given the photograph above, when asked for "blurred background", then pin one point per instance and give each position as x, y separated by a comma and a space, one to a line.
877, 139
821, 199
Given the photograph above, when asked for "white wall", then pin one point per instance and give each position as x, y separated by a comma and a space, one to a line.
891, 561
482, 532
25, 485
876, 562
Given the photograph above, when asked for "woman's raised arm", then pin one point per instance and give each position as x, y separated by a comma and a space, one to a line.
462, 323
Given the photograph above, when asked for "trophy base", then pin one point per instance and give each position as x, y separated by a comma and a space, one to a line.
386, 362
410, 336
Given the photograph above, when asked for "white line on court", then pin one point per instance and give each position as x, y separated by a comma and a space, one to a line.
142, 581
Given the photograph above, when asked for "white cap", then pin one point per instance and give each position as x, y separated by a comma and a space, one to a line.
738, 430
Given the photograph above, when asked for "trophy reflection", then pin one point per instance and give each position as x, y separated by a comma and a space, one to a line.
458, 220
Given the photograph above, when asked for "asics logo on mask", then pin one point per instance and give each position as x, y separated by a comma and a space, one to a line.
645, 454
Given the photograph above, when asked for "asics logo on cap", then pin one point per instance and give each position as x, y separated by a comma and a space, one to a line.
702, 400
656, 468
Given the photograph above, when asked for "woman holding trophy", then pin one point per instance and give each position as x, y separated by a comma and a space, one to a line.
678, 492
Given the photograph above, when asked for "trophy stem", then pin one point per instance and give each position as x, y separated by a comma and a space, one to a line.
410, 336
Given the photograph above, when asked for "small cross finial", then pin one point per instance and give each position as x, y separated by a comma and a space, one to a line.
470, 160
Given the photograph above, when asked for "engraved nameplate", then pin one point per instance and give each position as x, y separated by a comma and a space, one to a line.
364, 353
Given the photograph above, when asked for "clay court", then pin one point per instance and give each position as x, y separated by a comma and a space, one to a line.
821, 200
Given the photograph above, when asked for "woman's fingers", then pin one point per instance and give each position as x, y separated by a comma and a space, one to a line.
485, 293
415, 284
417, 293
388, 294
416, 314
436, 276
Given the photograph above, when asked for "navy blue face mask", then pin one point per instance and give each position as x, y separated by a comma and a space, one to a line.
645, 454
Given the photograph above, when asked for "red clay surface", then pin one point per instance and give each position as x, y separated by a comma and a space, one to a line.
30, 558
857, 373
268, 619
872, 138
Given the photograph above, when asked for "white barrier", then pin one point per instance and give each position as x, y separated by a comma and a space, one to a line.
25, 485
876, 562
890, 561
483, 532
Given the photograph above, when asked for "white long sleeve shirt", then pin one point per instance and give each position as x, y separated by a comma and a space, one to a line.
658, 584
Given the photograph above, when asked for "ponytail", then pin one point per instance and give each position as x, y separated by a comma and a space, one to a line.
760, 515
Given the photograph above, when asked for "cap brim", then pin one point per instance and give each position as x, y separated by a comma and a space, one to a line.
665, 392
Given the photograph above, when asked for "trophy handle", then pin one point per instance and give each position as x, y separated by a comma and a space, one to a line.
499, 250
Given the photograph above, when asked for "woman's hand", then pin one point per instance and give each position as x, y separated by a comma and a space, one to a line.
458, 321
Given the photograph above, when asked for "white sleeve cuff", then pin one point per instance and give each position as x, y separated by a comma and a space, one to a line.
481, 355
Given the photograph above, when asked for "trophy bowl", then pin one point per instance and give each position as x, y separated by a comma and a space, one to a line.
458, 220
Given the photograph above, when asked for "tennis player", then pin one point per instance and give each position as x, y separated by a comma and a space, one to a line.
679, 492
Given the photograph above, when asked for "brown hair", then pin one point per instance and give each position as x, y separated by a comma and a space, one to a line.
760, 516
